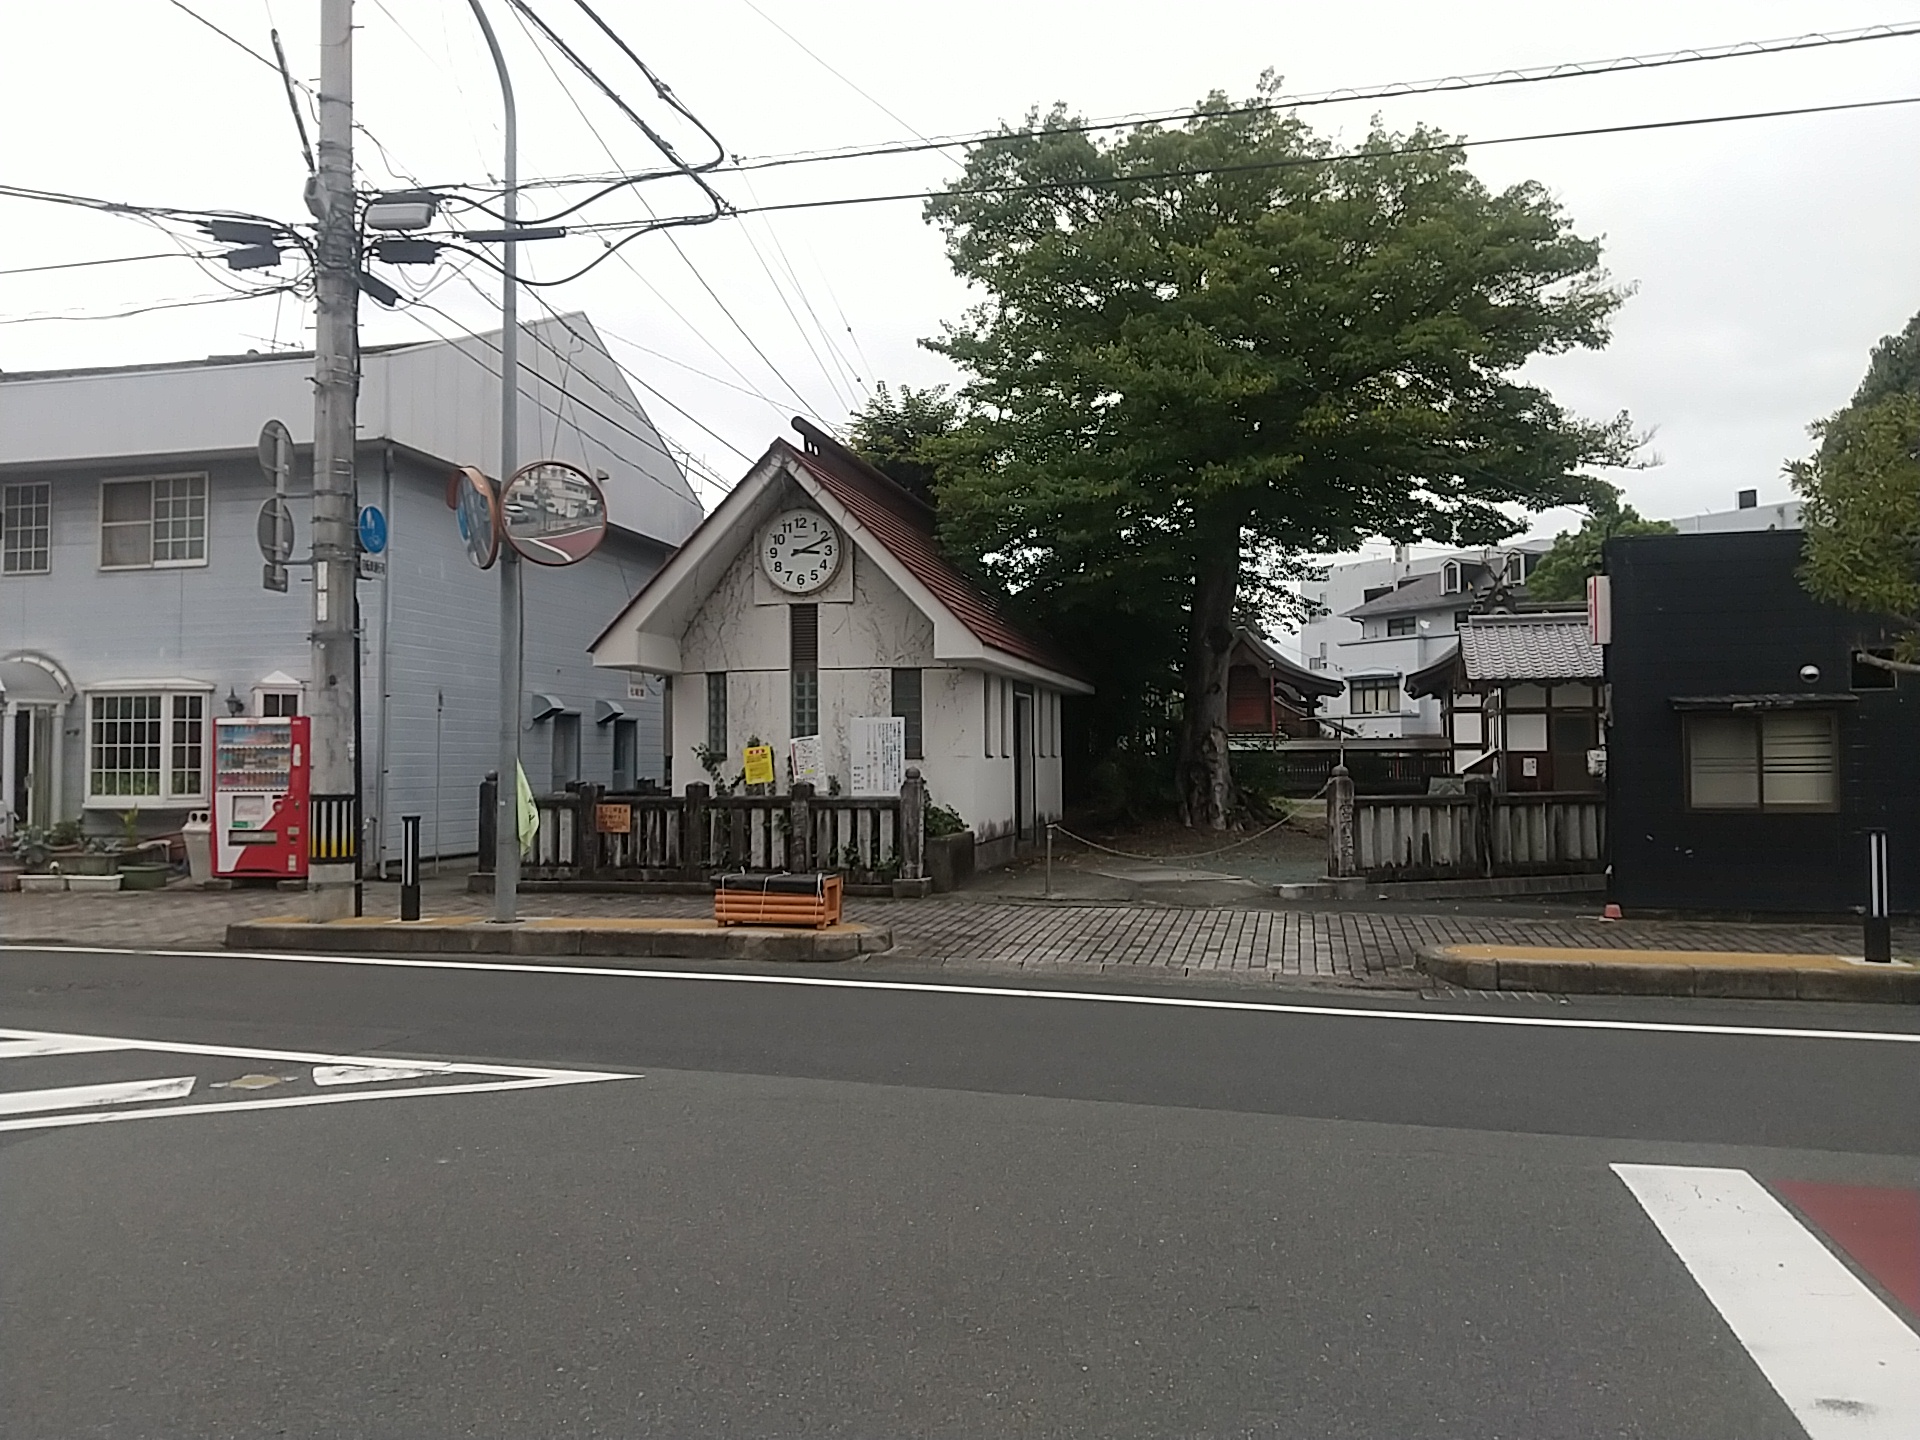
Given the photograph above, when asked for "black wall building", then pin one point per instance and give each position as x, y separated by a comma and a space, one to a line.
1748, 751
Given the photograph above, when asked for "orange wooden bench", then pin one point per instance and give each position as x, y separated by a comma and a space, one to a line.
811, 901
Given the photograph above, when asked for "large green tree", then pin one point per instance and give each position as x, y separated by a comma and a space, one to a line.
1576, 554
1203, 353
1862, 493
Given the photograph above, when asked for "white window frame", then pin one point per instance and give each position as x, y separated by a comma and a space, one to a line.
1452, 578
6, 535
150, 563
165, 795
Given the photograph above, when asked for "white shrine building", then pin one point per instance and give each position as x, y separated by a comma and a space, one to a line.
815, 594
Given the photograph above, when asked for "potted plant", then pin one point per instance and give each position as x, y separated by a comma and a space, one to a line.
138, 870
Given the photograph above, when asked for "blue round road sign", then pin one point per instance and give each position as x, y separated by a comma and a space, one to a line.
373, 530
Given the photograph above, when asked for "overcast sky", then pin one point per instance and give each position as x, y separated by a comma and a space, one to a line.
1767, 256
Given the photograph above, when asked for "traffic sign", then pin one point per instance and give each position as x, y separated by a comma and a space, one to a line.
373, 530
274, 530
553, 513
276, 454
478, 510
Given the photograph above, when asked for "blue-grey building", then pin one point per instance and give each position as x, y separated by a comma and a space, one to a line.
132, 609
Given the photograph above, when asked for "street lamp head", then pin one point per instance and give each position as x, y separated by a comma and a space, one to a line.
402, 210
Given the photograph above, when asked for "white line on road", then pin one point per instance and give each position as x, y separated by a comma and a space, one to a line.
78, 1097
369, 1074
1841, 1360
58, 1045
1005, 992
291, 1102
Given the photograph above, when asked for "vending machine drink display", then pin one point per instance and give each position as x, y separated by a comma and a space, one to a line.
260, 782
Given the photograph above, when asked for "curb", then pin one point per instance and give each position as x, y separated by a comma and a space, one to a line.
1358, 888
1887, 985
525, 941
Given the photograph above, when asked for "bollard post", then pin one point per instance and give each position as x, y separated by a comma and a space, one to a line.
1342, 843
409, 867
1879, 921
1049, 860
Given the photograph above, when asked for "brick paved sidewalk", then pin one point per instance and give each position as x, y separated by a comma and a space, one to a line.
1251, 944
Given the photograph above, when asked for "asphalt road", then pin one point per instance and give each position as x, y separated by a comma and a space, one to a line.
859, 1210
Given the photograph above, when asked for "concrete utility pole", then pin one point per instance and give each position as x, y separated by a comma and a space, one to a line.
506, 828
335, 818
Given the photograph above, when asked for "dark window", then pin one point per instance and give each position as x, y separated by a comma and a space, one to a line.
1401, 625
1781, 760
279, 703
566, 751
1574, 734
626, 754
717, 711
906, 704
803, 649
1460, 619
1374, 592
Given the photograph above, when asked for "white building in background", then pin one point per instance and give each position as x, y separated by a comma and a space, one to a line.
1385, 619
1389, 618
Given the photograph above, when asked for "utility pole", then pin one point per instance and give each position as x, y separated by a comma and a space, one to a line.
335, 819
506, 827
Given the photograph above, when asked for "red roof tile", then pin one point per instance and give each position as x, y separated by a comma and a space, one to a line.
903, 523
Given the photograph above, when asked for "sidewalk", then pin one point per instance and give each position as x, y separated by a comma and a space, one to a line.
1321, 942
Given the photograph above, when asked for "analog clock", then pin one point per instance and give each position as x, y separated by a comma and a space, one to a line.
800, 551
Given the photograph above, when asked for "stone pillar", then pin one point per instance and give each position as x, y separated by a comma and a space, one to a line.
696, 853
800, 827
913, 826
1480, 787
1343, 849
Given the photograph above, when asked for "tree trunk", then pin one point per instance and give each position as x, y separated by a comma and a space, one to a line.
1208, 797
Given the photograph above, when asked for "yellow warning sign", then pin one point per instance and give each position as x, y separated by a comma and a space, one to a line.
759, 765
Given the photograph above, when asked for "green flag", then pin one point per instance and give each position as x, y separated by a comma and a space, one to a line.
527, 813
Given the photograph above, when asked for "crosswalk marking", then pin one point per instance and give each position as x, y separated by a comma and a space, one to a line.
340, 1079
1842, 1361
78, 1097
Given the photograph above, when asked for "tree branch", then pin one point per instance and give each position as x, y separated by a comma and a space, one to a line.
1881, 662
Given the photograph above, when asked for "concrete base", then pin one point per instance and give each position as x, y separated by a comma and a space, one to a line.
1356, 888
557, 938
1705, 974
912, 889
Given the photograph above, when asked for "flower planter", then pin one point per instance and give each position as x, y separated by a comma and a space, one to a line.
9, 877
101, 884
144, 877
39, 884
86, 862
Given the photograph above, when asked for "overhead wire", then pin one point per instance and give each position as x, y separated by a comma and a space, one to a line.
184, 303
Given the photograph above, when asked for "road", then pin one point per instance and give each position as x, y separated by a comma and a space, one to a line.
466, 1199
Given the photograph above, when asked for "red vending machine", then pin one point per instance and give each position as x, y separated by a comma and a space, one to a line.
260, 797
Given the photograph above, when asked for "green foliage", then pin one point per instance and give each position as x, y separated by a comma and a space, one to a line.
907, 437
1562, 572
65, 833
1209, 352
1862, 519
943, 820
1893, 368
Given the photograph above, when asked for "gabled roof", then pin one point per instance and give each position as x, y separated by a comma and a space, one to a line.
1550, 646
889, 524
1540, 648
1306, 682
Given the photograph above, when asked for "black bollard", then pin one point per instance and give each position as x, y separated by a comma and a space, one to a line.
410, 867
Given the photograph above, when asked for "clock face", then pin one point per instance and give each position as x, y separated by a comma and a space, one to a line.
800, 551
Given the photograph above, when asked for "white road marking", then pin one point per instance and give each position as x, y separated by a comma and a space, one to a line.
1840, 1359
359, 1069
1005, 992
369, 1074
58, 1045
77, 1097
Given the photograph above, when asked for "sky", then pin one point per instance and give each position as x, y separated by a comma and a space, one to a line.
1765, 257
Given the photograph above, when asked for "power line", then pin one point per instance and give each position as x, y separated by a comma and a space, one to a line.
718, 201
1290, 162
187, 303
110, 260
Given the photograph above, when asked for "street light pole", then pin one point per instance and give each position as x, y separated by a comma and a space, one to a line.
506, 830
335, 823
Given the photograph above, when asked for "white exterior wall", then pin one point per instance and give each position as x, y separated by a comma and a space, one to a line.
742, 629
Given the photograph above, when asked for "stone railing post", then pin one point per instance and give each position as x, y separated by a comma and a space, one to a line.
1343, 859
800, 827
1481, 789
913, 826
696, 854
587, 842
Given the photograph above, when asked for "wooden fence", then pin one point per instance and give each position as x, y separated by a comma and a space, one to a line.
588, 834
1475, 835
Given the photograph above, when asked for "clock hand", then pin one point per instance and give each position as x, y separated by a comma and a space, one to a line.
810, 549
